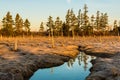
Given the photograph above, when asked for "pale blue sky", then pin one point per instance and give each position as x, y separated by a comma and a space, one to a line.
39, 10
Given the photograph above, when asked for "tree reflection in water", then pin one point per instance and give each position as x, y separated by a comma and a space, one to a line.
52, 70
78, 68
82, 59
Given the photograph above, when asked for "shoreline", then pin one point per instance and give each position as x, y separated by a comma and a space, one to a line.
22, 70
105, 66
33, 54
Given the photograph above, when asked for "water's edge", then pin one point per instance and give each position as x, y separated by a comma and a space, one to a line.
79, 66
105, 66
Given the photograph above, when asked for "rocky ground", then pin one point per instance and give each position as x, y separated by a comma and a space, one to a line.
36, 52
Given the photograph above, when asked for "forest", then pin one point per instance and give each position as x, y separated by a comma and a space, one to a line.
74, 25
86, 46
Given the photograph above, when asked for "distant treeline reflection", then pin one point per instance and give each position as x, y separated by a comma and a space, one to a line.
82, 60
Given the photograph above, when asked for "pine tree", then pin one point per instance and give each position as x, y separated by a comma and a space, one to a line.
8, 22
21, 25
50, 25
74, 25
101, 22
58, 26
98, 20
92, 21
27, 26
68, 22
18, 24
71, 22
65, 29
85, 16
92, 24
79, 18
105, 20
51, 28
116, 28
86, 24
41, 27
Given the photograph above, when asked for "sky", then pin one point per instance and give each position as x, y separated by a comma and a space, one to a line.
39, 10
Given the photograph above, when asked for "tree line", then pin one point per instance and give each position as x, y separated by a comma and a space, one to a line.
14, 27
74, 25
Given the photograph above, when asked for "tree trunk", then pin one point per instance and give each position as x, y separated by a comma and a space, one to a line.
73, 34
52, 38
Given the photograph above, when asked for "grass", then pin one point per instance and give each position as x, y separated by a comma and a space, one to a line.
62, 40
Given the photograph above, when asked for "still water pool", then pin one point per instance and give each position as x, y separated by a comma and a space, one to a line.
74, 69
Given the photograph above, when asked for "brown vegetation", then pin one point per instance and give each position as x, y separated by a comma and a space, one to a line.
32, 53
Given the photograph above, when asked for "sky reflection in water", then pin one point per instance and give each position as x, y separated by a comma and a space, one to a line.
75, 69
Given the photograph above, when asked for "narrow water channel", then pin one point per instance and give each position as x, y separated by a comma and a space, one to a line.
74, 69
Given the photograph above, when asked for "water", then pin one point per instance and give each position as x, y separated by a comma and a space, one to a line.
75, 69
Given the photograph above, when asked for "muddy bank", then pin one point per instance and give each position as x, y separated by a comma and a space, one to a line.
107, 64
35, 53
27, 64
105, 68
29, 57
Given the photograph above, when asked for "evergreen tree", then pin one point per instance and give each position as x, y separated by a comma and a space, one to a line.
71, 22
21, 25
50, 25
101, 22
86, 24
7, 25
51, 28
85, 16
92, 21
27, 26
41, 27
82, 24
58, 26
98, 20
68, 21
116, 31
80, 21
79, 18
18, 24
105, 20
